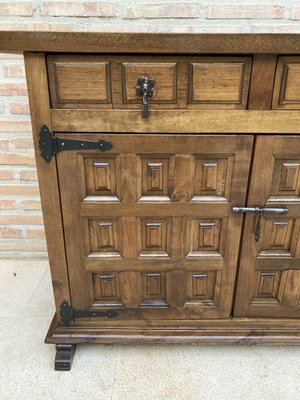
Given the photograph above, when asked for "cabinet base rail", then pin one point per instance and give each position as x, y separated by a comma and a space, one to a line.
205, 332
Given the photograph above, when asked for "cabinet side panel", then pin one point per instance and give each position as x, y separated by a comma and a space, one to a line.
36, 75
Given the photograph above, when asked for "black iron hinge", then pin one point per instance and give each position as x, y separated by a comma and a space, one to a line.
67, 313
50, 145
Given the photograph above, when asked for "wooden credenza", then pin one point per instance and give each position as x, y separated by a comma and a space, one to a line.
169, 171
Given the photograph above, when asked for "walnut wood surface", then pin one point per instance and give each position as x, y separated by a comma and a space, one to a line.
48, 184
157, 223
228, 331
175, 121
269, 278
262, 81
287, 84
86, 42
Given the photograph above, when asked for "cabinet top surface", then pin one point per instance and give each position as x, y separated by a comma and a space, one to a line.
87, 42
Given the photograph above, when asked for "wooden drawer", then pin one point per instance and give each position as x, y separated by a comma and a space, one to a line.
287, 84
95, 81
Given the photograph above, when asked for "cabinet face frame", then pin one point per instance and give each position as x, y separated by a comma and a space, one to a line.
268, 122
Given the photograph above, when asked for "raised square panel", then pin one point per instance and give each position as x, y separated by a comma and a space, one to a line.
155, 237
277, 236
212, 178
269, 288
78, 82
102, 178
202, 287
164, 74
106, 287
154, 288
105, 237
156, 177
287, 83
220, 82
205, 237
286, 182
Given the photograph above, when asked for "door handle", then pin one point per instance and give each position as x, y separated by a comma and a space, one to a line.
259, 211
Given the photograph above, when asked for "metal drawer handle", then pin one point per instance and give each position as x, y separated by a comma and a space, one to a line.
145, 89
259, 211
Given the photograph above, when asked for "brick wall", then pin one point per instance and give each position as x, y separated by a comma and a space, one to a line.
21, 225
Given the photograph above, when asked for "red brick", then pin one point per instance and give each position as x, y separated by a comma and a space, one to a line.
205, 29
16, 159
24, 245
240, 11
17, 9
7, 204
161, 10
19, 190
21, 219
296, 13
30, 204
4, 144
13, 89
24, 143
28, 175
275, 29
35, 233
15, 126
76, 9
6, 175
10, 233
19, 108
42, 26
14, 71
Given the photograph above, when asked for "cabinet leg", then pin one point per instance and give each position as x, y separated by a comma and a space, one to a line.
64, 356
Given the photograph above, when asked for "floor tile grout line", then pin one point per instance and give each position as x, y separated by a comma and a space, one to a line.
115, 371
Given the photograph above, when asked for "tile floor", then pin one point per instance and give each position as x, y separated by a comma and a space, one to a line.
125, 372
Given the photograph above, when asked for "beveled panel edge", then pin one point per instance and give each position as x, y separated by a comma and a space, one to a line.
149, 42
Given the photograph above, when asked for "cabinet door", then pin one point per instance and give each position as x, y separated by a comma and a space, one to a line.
148, 225
269, 276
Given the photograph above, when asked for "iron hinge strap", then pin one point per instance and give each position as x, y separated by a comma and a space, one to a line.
68, 313
51, 145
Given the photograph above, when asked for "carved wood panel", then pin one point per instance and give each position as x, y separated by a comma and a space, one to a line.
149, 226
268, 283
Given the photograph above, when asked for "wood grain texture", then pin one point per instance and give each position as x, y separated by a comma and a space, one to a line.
287, 84
219, 82
48, 182
162, 223
231, 331
87, 42
262, 81
76, 81
173, 121
269, 279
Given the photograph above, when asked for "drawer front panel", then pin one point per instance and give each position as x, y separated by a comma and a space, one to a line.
79, 81
148, 225
180, 82
287, 84
219, 82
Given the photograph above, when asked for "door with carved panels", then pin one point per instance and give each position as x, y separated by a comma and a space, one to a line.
269, 277
148, 225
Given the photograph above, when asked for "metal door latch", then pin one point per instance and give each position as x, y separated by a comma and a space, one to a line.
259, 211
50, 145
145, 89
68, 313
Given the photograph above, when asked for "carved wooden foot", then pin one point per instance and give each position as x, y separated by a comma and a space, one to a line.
64, 356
